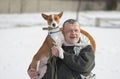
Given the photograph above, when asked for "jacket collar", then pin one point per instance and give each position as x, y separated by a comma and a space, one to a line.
80, 43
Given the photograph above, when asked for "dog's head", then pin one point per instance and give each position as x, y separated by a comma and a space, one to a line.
53, 19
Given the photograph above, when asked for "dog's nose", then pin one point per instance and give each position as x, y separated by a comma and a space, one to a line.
53, 24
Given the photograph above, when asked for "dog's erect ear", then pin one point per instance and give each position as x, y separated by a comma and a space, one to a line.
60, 14
44, 16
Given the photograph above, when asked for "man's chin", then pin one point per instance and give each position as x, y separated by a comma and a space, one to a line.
73, 42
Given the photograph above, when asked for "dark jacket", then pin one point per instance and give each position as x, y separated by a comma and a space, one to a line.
73, 65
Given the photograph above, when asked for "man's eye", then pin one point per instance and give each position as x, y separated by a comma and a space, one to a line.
69, 31
76, 30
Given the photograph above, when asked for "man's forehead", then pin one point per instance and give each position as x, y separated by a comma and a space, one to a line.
74, 25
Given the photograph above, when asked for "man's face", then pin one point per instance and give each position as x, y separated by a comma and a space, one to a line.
71, 33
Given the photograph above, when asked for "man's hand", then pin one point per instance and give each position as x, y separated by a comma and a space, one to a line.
57, 51
33, 73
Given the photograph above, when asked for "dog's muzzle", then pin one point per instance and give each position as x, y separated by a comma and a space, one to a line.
53, 24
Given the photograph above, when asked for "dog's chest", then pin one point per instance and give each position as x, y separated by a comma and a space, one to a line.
57, 37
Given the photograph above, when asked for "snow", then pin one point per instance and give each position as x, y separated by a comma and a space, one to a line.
21, 36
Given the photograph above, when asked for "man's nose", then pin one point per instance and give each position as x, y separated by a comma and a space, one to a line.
73, 32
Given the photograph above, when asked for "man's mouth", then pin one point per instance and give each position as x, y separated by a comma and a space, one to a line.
73, 37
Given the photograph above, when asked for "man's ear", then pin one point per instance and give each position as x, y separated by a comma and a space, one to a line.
60, 14
44, 16
61, 29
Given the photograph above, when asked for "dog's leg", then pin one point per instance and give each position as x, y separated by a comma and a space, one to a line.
43, 51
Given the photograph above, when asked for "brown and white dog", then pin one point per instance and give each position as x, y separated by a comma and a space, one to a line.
54, 35
54, 30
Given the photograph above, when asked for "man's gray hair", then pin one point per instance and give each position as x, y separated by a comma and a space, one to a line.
70, 21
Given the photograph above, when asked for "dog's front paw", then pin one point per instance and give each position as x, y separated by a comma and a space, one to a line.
61, 55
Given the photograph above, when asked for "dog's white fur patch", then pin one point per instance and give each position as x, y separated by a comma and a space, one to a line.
53, 21
42, 67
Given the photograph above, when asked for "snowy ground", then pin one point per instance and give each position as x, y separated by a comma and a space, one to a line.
18, 44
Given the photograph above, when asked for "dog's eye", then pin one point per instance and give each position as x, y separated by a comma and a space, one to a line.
50, 20
56, 18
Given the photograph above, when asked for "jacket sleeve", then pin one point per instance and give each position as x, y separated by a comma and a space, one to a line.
83, 63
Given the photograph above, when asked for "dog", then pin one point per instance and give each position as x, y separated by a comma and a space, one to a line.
54, 30
55, 36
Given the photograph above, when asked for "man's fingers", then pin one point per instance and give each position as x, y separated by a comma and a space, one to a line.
33, 73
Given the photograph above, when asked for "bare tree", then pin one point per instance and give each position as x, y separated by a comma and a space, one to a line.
111, 4
78, 9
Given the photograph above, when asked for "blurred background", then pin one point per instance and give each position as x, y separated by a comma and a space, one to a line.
82, 9
21, 33
32, 6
